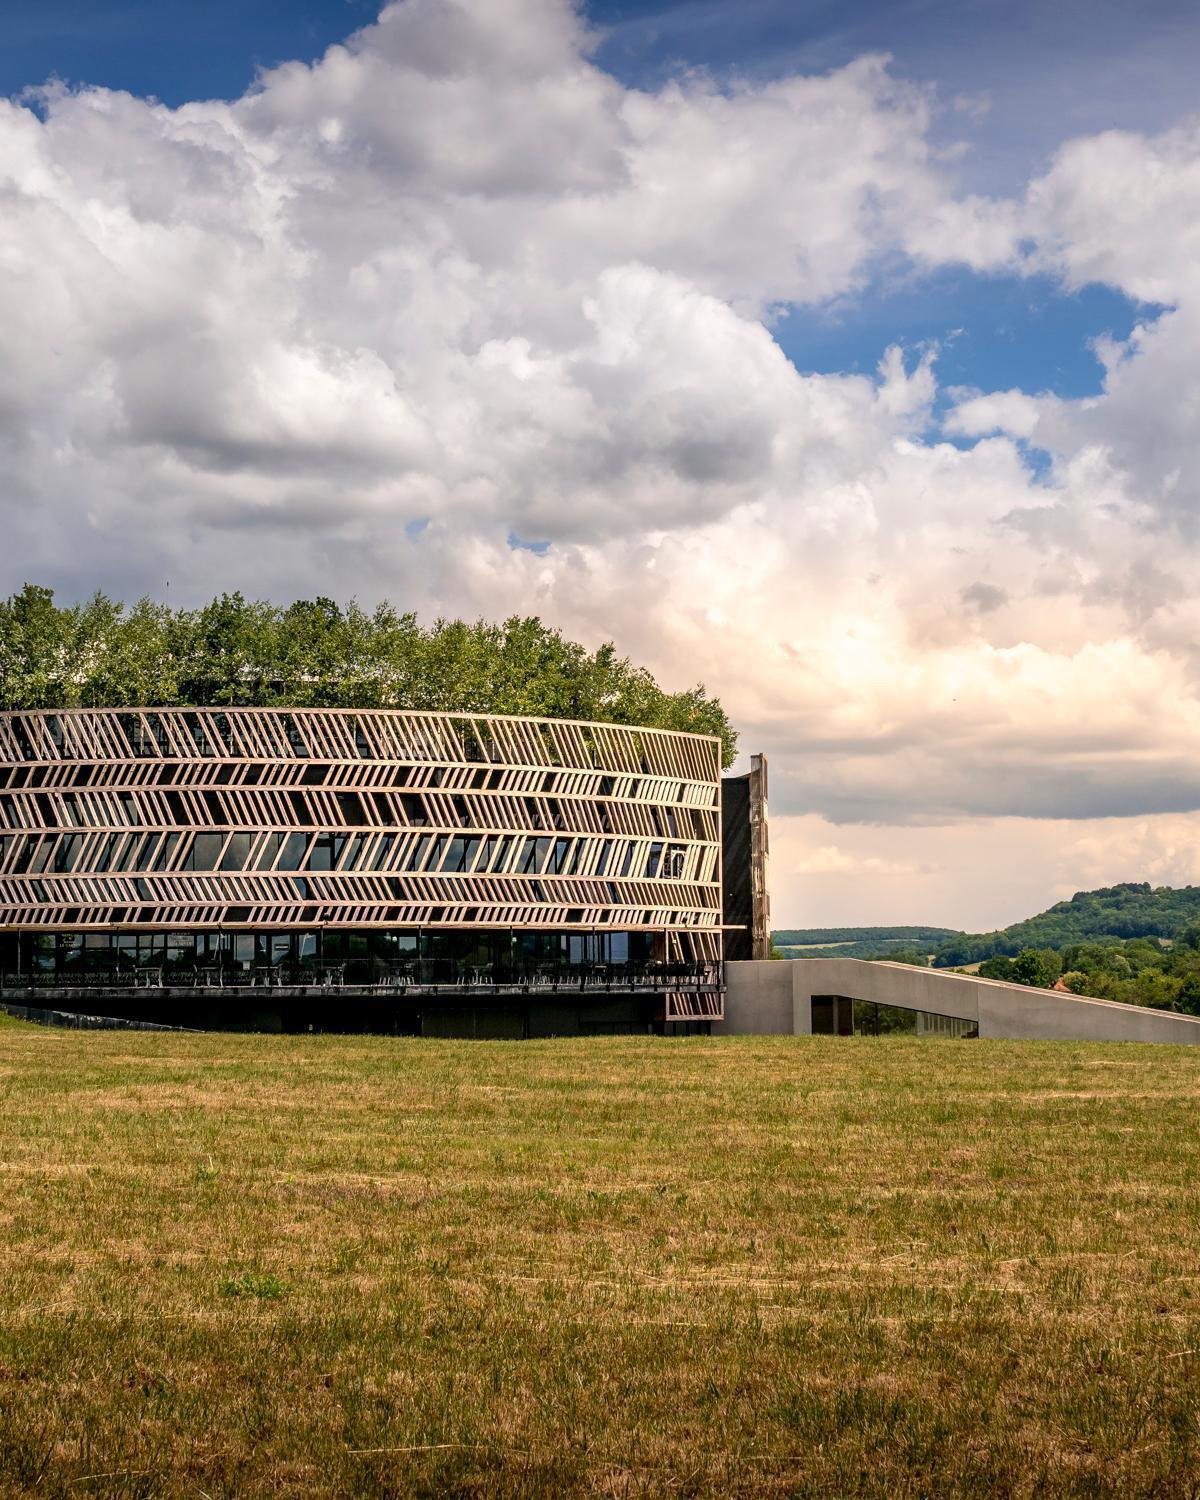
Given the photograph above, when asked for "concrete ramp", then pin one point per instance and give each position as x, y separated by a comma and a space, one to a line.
776, 997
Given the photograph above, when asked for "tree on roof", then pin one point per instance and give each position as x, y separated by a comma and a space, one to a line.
317, 653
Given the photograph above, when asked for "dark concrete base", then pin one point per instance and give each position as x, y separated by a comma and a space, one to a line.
446, 1011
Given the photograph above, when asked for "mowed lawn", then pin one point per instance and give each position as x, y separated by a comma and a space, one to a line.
271, 1266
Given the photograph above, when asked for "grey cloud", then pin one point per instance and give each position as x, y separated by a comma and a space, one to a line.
983, 597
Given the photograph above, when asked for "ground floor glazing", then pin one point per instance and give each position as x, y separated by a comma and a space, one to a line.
472, 982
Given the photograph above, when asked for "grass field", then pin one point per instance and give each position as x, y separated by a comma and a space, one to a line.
274, 1266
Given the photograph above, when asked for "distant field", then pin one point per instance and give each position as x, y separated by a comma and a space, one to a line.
869, 949
808, 947
828, 937
265, 1266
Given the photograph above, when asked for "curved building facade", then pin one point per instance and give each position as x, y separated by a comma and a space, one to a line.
406, 859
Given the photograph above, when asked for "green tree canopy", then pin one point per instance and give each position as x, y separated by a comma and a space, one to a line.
316, 653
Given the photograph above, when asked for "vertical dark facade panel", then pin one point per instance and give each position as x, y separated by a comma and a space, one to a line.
737, 906
746, 911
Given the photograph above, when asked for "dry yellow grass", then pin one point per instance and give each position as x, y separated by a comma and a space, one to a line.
326, 1266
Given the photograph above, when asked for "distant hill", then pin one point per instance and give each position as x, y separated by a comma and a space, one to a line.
1115, 912
861, 942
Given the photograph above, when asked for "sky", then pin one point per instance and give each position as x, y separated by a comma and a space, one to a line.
843, 357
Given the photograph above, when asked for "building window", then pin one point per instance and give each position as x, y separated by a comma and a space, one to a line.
204, 852
237, 852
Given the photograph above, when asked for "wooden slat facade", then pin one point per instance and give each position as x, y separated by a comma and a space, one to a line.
250, 817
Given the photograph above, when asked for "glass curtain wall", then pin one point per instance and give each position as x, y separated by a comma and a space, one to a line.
471, 957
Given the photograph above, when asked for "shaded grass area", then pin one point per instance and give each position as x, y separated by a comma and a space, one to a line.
235, 1265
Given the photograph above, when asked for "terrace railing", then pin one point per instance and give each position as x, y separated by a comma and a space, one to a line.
419, 976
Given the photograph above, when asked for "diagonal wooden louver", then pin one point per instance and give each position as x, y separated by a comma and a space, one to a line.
207, 819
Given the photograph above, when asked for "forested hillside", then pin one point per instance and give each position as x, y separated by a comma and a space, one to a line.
316, 653
1136, 943
1114, 912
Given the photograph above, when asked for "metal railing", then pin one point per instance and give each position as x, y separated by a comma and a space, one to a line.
419, 976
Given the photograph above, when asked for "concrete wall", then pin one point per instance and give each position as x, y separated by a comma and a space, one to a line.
759, 993
763, 994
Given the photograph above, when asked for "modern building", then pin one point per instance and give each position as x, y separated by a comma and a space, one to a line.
431, 873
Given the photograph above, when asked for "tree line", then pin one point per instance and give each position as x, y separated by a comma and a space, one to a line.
1143, 971
316, 653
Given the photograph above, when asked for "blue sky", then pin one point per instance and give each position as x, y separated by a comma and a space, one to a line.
994, 332
1012, 79
1045, 68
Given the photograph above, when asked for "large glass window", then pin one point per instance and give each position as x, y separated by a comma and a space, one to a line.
152, 949
271, 845
237, 851
307, 950
382, 851
70, 952
212, 948
326, 851
477, 956
169, 844
41, 856
123, 854
41, 952
292, 855
180, 951
351, 808
436, 849
104, 853
97, 952
460, 853
204, 852
272, 948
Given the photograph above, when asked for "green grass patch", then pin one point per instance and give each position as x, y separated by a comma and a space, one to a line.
264, 1285
271, 1266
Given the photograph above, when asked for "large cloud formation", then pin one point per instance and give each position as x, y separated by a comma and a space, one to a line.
453, 316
